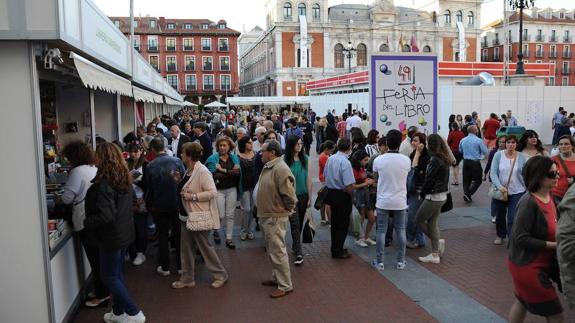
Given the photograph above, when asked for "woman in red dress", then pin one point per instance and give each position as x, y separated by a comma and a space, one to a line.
532, 245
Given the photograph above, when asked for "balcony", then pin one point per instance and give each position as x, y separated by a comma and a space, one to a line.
539, 53
496, 42
206, 48
207, 67
525, 53
565, 71
153, 48
225, 87
567, 39
540, 38
190, 87
224, 67
208, 87
171, 48
188, 48
484, 44
496, 58
225, 48
553, 39
526, 37
552, 54
566, 54
172, 68
190, 67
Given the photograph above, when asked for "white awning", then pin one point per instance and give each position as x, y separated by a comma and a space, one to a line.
98, 78
267, 100
147, 96
171, 101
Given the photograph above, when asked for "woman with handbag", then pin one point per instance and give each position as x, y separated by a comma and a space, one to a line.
248, 183
136, 164
199, 214
434, 193
566, 163
507, 186
419, 161
532, 245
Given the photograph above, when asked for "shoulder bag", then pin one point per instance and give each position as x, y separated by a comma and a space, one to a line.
320, 199
199, 220
494, 192
565, 167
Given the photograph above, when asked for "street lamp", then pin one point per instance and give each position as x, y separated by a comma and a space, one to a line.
521, 4
349, 53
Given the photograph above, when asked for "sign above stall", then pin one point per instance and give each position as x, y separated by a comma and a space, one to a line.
403, 92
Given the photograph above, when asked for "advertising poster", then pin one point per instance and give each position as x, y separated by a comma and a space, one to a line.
403, 92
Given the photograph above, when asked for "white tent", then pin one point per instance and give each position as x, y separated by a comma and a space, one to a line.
215, 104
189, 104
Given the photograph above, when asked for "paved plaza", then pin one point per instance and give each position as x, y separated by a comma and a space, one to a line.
472, 283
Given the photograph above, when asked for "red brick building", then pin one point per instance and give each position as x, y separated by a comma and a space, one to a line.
547, 38
198, 57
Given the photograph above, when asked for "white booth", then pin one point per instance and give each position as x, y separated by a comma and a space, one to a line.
66, 73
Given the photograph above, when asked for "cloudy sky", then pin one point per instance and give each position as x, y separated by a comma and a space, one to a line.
245, 14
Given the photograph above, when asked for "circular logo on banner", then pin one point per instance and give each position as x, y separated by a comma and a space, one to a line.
384, 69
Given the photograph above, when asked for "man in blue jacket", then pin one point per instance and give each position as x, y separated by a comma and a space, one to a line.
161, 178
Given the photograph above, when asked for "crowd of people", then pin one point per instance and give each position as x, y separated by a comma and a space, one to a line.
186, 175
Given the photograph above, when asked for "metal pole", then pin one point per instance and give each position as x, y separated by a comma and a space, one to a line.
519, 69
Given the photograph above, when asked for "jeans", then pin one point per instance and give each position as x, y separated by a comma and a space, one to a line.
93, 255
141, 242
166, 222
227, 206
472, 179
111, 267
413, 233
340, 203
296, 223
426, 219
247, 204
399, 223
556, 131
505, 214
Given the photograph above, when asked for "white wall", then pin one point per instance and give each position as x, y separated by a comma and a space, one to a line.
105, 115
322, 103
22, 274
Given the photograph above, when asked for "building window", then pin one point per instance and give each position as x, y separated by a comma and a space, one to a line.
566, 51
447, 16
361, 55
539, 50
225, 82
171, 65
204, 26
301, 9
172, 80
190, 62
565, 67
207, 63
191, 82
315, 10
384, 48
338, 56
299, 63
222, 26
565, 80
208, 82
567, 37
496, 54
153, 59
224, 63
153, 43
170, 44
171, 25
117, 23
553, 36
187, 26
223, 45
552, 51
426, 49
188, 44
206, 44
136, 42
287, 10
459, 16
135, 24
406, 48
152, 24
484, 55
551, 81
471, 19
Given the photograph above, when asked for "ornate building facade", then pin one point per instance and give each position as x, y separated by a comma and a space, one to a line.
276, 65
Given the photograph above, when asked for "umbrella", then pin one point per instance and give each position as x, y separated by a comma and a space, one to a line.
215, 104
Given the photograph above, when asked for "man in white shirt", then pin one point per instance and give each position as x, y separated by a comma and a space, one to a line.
352, 122
405, 148
259, 142
392, 169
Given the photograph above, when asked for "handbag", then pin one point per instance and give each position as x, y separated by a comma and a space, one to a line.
320, 199
309, 228
565, 168
495, 193
411, 179
200, 221
448, 205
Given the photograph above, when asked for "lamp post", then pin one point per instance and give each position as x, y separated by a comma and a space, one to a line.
349, 54
521, 4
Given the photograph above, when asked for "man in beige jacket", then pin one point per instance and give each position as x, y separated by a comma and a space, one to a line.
566, 245
276, 201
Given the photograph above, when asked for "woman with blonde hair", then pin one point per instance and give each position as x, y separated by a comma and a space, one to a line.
198, 195
109, 219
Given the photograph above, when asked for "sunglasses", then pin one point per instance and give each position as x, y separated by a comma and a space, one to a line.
553, 174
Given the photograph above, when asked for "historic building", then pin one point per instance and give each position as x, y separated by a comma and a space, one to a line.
306, 40
198, 57
547, 38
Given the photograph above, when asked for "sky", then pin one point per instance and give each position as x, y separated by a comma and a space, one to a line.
245, 14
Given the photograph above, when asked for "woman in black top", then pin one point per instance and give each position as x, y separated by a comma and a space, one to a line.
110, 220
136, 164
248, 182
419, 160
307, 129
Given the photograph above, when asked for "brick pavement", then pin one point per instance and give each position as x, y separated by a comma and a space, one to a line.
326, 290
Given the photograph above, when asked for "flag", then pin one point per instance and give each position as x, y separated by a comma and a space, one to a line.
413, 44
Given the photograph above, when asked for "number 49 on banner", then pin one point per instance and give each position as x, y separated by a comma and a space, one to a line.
405, 74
